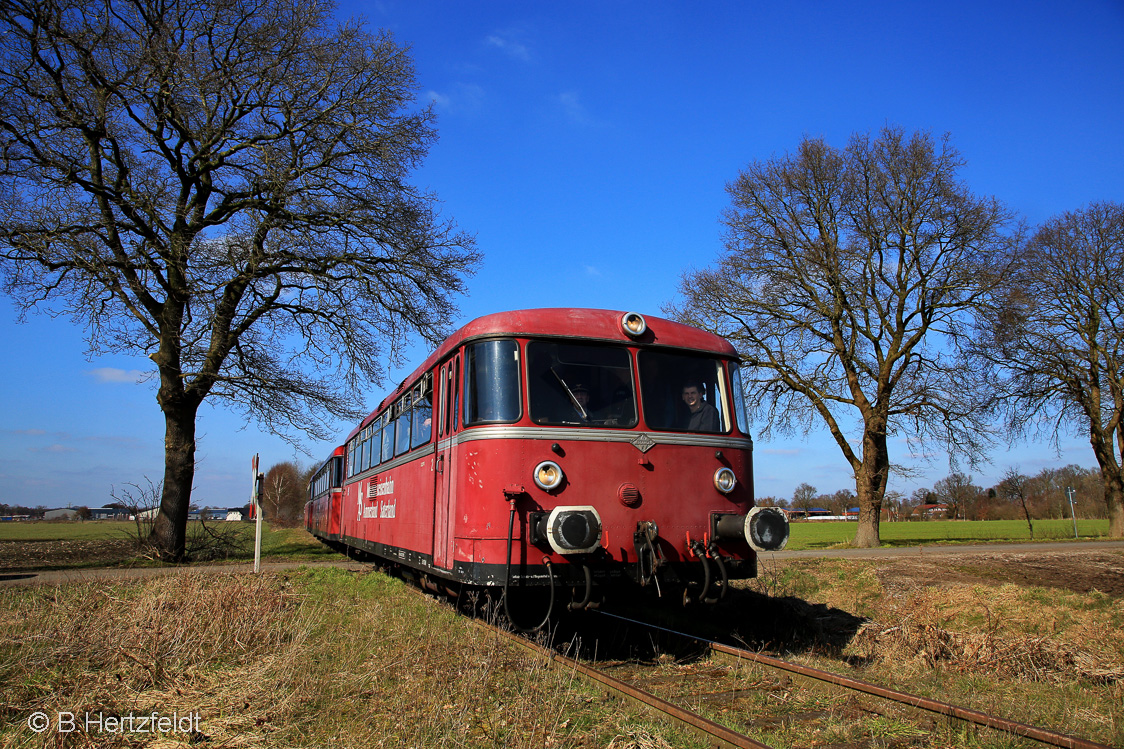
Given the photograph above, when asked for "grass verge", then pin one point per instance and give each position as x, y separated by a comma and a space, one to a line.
312, 658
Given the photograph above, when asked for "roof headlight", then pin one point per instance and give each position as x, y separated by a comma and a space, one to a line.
548, 475
633, 325
725, 480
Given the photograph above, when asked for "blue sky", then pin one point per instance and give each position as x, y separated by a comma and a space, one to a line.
587, 146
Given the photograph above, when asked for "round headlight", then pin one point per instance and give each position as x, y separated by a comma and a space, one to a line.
725, 480
548, 475
633, 324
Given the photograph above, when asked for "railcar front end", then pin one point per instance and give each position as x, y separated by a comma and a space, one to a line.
576, 450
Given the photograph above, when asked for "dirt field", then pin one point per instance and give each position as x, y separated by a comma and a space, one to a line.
19, 556
1074, 569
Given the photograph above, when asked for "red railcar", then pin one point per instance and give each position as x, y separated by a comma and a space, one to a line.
572, 448
325, 498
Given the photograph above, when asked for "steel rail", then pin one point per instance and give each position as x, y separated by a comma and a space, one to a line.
1036, 733
718, 734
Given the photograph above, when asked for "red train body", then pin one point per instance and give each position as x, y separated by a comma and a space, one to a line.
559, 447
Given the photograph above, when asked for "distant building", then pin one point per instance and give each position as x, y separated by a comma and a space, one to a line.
930, 511
68, 513
811, 514
110, 512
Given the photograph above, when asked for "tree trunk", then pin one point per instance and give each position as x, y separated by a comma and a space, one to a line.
870, 484
1114, 498
169, 531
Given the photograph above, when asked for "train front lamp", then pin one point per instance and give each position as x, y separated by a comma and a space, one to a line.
548, 475
725, 480
633, 324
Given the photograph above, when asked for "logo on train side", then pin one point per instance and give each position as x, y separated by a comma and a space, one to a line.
384, 509
384, 489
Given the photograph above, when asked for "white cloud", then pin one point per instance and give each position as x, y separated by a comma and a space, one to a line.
509, 47
466, 97
55, 448
573, 109
113, 374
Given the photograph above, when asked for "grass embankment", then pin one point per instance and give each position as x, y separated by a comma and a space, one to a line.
1044, 656
328, 657
311, 658
824, 534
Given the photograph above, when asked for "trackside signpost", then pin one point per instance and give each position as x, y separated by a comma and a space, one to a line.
1069, 492
257, 480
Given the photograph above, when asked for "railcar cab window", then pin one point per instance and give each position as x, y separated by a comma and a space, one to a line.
739, 398
580, 385
683, 393
491, 382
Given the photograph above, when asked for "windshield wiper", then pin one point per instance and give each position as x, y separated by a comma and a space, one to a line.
569, 392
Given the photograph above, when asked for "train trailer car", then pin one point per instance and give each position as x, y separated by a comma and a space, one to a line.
573, 450
325, 500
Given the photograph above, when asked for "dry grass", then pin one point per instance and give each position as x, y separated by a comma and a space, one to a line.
1041, 655
931, 628
317, 658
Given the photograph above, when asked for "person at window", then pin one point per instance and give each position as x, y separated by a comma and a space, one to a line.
581, 401
701, 417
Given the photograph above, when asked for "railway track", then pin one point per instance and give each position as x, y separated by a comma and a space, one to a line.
969, 716
717, 734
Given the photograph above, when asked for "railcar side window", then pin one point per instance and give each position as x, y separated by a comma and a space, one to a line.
683, 392
491, 387
375, 443
364, 459
580, 385
402, 426
387, 438
423, 412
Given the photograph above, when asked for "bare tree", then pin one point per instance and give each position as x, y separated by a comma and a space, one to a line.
285, 492
847, 283
222, 188
842, 501
803, 498
1056, 344
1013, 488
958, 492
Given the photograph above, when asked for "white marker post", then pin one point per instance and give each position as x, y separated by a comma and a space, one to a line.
1069, 492
255, 502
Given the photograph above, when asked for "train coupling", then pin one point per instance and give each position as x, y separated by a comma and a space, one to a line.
764, 528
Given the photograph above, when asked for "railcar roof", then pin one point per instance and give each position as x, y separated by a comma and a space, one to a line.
566, 322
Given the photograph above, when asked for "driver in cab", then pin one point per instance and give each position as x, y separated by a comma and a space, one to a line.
701, 417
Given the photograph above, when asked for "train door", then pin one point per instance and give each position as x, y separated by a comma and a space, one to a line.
448, 425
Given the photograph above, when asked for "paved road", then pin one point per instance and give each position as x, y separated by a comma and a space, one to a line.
62, 577
1043, 547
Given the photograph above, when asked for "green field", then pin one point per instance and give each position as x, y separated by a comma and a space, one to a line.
296, 544
822, 535
278, 544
